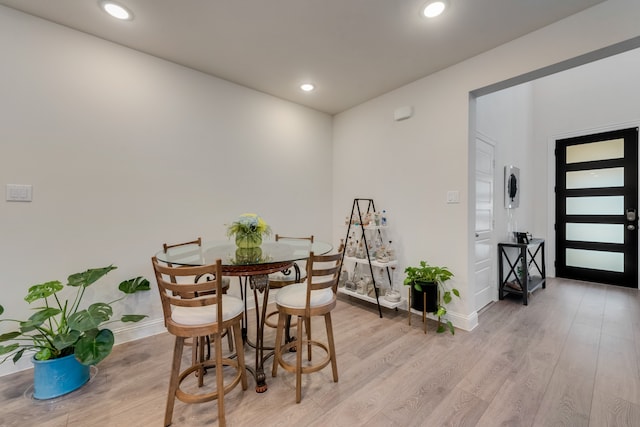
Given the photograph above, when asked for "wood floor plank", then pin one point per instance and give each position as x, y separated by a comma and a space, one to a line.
517, 403
566, 401
488, 376
569, 358
458, 408
579, 355
616, 374
611, 411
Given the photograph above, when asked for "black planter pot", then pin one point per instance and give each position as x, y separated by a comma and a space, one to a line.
431, 289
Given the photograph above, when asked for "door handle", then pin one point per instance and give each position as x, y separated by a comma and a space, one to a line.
631, 215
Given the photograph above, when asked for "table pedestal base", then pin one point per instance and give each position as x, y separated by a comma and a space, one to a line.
259, 284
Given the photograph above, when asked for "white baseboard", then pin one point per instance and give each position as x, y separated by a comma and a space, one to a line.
122, 335
139, 330
23, 364
460, 321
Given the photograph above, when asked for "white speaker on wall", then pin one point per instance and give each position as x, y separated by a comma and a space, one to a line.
403, 113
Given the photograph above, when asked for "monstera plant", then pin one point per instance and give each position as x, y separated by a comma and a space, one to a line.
64, 326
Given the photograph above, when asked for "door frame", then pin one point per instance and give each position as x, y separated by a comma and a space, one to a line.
551, 181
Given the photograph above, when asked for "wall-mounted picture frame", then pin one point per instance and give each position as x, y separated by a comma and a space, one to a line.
511, 187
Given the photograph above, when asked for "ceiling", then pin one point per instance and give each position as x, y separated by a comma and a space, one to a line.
352, 50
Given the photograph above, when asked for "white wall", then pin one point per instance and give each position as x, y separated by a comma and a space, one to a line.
121, 149
593, 98
126, 151
408, 166
506, 118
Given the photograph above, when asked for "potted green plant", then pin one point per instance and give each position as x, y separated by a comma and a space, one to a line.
431, 279
65, 328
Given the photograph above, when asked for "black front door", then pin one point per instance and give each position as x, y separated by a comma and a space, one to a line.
596, 207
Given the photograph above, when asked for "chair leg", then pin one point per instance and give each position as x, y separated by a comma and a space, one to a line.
237, 335
174, 379
230, 339
307, 322
299, 361
200, 360
332, 347
220, 379
277, 355
194, 351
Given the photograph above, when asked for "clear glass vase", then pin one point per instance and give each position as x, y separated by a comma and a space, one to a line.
248, 240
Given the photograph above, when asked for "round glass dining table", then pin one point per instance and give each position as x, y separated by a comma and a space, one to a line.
270, 257
252, 266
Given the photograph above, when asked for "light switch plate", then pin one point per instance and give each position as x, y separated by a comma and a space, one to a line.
19, 192
453, 196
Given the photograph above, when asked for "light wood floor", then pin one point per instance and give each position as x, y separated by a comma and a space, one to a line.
569, 358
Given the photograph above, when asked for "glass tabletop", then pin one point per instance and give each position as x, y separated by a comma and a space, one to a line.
267, 253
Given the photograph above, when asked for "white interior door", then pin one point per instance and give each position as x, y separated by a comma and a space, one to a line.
485, 283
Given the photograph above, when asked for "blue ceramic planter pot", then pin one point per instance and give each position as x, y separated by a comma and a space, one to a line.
56, 377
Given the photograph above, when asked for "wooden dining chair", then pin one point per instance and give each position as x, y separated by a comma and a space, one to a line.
314, 297
209, 313
285, 278
198, 345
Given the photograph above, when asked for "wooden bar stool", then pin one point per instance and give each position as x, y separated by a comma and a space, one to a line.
207, 313
198, 345
281, 279
315, 297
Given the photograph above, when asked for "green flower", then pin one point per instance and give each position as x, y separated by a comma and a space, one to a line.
248, 223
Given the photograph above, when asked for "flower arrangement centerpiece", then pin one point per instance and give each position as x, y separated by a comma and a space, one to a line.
248, 230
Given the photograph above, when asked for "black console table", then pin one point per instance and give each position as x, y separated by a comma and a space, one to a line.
530, 258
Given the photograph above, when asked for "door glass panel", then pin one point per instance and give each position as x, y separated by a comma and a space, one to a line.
602, 233
595, 205
598, 260
593, 151
596, 178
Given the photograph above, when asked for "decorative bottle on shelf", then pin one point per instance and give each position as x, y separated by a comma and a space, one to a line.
372, 249
360, 251
391, 253
393, 295
383, 219
344, 278
367, 219
350, 251
370, 291
382, 255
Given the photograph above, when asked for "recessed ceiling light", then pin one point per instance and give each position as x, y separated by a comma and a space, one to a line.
307, 87
434, 8
116, 10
